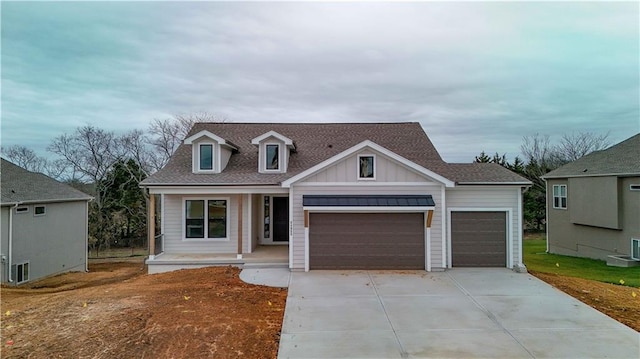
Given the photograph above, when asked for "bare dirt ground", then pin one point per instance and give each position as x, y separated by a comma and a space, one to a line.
619, 302
116, 311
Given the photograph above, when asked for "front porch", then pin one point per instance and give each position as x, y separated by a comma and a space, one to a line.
261, 257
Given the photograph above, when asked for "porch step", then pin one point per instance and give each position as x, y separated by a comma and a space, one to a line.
265, 265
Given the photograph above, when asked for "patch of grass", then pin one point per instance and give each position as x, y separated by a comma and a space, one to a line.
537, 260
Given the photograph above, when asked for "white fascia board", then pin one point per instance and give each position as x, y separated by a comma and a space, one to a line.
495, 183
287, 141
204, 133
198, 190
362, 209
375, 147
629, 174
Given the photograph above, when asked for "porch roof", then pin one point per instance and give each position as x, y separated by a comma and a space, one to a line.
368, 201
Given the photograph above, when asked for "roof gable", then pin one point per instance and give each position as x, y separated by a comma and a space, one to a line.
204, 133
353, 150
620, 159
287, 141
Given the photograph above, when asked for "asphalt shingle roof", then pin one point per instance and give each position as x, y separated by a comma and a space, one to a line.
18, 185
620, 159
316, 143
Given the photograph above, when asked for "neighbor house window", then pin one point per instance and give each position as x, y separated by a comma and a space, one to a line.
366, 168
206, 157
39, 210
20, 272
272, 157
22, 209
560, 196
209, 223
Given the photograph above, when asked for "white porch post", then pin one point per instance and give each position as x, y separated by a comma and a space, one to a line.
240, 199
428, 219
151, 224
306, 240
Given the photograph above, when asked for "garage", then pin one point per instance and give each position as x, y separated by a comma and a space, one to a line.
479, 239
366, 232
366, 241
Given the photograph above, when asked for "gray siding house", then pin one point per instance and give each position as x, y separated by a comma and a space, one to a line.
335, 196
593, 204
44, 226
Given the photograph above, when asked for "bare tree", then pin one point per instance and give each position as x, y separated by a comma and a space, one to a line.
575, 145
166, 135
25, 158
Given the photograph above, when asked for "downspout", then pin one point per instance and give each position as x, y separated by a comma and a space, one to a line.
10, 254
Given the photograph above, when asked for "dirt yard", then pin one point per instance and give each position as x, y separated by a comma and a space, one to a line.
117, 312
617, 301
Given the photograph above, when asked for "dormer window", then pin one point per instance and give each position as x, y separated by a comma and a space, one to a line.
206, 157
274, 150
366, 167
272, 161
210, 153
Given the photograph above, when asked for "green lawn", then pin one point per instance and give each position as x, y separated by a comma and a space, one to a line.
536, 259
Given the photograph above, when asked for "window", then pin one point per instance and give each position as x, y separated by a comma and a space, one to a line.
20, 272
211, 223
22, 209
560, 196
272, 157
206, 157
267, 222
635, 249
39, 210
366, 168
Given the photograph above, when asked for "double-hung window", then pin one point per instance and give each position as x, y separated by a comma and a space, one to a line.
560, 196
206, 219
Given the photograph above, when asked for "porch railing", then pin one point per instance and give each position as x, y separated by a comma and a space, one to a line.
158, 244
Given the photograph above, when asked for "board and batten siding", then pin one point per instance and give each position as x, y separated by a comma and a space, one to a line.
358, 189
386, 170
174, 241
486, 198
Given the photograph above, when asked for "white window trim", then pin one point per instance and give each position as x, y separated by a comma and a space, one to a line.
23, 209
553, 196
264, 158
21, 264
633, 244
39, 214
206, 219
375, 167
215, 160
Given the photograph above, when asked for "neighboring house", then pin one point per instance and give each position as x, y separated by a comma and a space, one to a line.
593, 203
357, 195
44, 226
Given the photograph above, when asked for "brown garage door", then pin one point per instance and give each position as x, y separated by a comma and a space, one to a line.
366, 241
479, 239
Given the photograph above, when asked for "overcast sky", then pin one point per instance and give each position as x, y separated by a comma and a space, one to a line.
477, 76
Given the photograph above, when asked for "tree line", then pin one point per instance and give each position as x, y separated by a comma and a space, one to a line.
541, 157
109, 167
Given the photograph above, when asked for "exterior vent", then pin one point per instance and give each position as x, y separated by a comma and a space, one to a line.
634, 187
635, 249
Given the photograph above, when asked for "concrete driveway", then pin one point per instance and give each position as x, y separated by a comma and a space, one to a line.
460, 313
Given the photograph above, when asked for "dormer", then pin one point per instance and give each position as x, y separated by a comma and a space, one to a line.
209, 153
273, 152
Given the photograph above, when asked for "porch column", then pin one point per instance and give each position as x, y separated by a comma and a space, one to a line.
428, 220
151, 225
240, 199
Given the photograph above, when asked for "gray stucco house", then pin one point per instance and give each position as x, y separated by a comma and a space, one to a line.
44, 226
348, 196
593, 204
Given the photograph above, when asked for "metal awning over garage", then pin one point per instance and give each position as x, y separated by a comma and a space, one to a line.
423, 201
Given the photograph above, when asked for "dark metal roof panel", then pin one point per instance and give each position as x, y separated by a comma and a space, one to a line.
368, 201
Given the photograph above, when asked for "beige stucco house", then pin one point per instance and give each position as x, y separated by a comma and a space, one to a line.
593, 204
350, 196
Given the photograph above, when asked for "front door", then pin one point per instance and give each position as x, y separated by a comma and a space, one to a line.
280, 219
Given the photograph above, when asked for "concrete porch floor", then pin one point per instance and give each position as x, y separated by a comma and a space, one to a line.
261, 257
